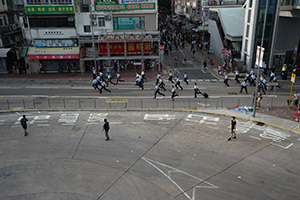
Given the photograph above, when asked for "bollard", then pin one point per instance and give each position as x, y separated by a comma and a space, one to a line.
49, 103
23, 104
8, 107
95, 103
79, 103
64, 103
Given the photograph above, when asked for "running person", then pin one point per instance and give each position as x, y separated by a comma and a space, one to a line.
173, 93
95, 84
177, 83
161, 84
196, 90
158, 77
237, 74
185, 78
156, 88
103, 87
140, 83
170, 77
109, 77
226, 79
119, 78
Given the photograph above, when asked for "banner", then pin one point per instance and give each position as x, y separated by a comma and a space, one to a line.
131, 47
49, 9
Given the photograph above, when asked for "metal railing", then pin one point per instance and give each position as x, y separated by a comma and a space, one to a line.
132, 103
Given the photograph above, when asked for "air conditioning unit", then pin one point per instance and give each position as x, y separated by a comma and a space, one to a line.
107, 17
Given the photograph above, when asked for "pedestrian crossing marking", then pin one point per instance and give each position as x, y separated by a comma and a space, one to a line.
158, 117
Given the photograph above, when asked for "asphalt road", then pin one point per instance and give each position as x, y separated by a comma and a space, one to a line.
151, 155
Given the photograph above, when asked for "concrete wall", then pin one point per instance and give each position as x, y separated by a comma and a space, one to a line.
215, 38
288, 34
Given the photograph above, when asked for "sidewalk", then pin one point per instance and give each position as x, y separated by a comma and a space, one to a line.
87, 76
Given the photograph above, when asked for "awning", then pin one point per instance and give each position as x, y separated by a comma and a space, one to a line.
24, 51
3, 52
53, 53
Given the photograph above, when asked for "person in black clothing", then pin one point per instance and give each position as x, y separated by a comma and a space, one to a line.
106, 128
233, 128
204, 64
24, 124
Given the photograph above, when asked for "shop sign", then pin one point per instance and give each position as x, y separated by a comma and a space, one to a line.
52, 51
49, 9
131, 47
47, 57
55, 43
126, 7
122, 37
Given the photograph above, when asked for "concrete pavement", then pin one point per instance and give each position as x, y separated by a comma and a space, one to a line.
151, 155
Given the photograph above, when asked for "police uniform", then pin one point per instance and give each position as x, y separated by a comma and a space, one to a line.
196, 90
178, 83
156, 88
185, 77
103, 87
139, 83
244, 85
252, 80
226, 80
157, 78
95, 84
237, 73
119, 78
171, 77
173, 94
161, 84
109, 79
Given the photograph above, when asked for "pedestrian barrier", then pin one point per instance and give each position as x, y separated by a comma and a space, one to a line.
41, 103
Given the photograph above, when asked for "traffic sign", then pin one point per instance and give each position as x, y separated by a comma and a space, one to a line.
223, 51
162, 47
293, 78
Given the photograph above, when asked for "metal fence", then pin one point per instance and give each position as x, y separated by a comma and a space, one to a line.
132, 103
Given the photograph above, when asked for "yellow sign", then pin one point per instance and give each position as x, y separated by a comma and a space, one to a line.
116, 100
293, 75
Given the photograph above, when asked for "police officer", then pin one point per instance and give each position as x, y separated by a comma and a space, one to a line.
177, 83
156, 88
226, 79
185, 77
119, 78
272, 76
275, 80
173, 91
247, 76
171, 76
237, 73
158, 77
161, 84
103, 83
139, 82
252, 80
196, 90
244, 86
109, 79
143, 75
95, 84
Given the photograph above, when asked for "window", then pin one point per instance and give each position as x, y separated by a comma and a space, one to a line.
1, 22
51, 22
101, 21
3, 2
87, 29
247, 31
249, 16
61, 2
84, 8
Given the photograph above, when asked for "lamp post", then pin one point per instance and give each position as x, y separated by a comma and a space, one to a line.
261, 45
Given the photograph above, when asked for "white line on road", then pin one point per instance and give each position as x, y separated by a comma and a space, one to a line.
43, 124
283, 146
138, 122
203, 71
90, 123
254, 137
200, 79
115, 122
68, 124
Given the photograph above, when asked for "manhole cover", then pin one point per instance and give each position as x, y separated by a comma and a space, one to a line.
232, 93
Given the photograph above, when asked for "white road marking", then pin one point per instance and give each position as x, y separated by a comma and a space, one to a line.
214, 79
254, 137
91, 123
283, 146
1, 123
203, 104
207, 80
97, 117
200, 80
115, 122
68, 124
2, 120
155, 164
138, 122
203, 71
274, 135
158, 117
193, 80
15, 126
43, 124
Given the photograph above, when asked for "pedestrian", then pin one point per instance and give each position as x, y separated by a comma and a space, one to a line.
170, 77
185, 59
42, 68
194, 53
61, 69
275, 81
232, 125
253, 98
72, 69
103, 84
174, 94
101, 76
196, 90
272, 74
161, 84
185, 78
244, 86
158, 77
252, 80
94, 73
226, 79
23, 122
143, 75
109, 77
220, 69
237, 73
140, 83
156, 88
106, 129
204, 64
95, 84
247, 76
119, 78
259, 98
177, 83
28, 69
176, 60
295, 100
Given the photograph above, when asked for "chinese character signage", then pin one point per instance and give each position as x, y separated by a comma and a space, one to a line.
49, 9
55, 43
124, 5
132, 47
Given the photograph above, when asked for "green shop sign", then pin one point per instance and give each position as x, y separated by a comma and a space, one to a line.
125, 7
49, 9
